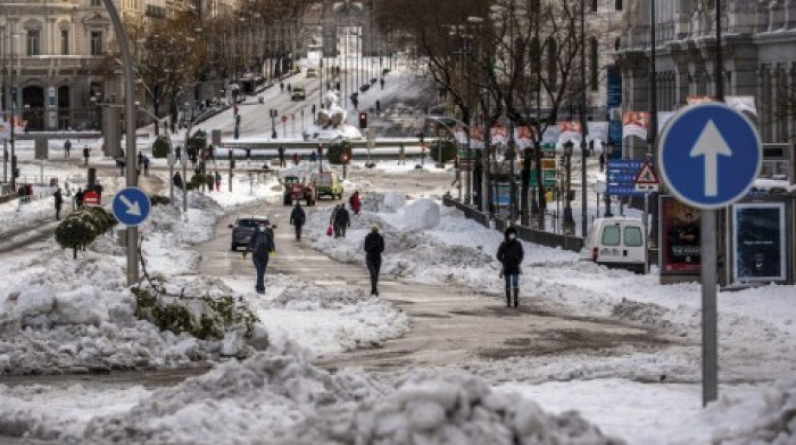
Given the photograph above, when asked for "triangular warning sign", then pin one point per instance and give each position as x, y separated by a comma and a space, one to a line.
646, 175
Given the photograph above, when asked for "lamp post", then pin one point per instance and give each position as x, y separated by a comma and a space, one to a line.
584, 223
569, 222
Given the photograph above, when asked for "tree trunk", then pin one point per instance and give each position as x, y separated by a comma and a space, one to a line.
540, 185
525, 178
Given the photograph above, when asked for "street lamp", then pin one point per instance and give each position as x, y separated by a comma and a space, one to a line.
569, 221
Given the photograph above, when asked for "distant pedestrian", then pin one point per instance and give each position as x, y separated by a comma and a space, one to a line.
59, 202
261, 245
86, 154
333, 217
282, 87
218, 181
178, 153
355, 202
313, 156
67, 148
289, 88
374, 246
382, 83
177, 180
602, 162
295, 159
401, 154
313, 111
79, 198
510, 255
281, 151
342, 221
297, 219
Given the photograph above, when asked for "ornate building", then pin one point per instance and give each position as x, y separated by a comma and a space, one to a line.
759, 51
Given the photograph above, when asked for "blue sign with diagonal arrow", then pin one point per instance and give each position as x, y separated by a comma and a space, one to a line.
710, 155
131, 206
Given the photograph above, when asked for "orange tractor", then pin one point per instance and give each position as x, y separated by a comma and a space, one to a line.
296, 190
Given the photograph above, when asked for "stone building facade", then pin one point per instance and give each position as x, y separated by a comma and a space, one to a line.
49, 54
758, 47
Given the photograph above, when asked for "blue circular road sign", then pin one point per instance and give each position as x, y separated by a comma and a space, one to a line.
131, 206
709, 155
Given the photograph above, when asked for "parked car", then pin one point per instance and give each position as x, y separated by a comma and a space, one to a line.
298, 94
243, 229
327, 183
311, 72
296, 190
617, 243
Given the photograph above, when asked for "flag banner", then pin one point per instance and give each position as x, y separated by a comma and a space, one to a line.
635, 123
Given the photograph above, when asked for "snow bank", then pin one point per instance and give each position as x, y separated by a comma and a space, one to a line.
63, 315
769, 417
383, 202
422, 214
280, 395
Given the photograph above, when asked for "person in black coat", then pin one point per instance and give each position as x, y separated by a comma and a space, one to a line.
261, 245
374, 246
510, 255
297, 219
59, 202
342, 221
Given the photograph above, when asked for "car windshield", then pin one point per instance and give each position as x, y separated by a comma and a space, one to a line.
248, 223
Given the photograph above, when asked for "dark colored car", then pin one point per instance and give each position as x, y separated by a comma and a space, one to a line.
243, 228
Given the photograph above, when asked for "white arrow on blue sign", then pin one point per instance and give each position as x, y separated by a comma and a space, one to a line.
709, 155
131, 206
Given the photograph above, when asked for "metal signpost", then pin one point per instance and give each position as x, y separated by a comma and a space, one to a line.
646, 182
131, 206
709, 155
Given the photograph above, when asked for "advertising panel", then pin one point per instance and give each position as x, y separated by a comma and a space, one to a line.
680, 242
759, 249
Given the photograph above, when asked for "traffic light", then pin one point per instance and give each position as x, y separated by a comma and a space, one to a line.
562, 161
363, 120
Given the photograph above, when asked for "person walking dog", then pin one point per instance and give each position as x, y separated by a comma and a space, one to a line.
510, 255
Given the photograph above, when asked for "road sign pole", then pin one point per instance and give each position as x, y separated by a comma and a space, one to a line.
646, 233
710, 347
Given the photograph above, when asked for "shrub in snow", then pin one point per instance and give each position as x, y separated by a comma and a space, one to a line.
422, 214
442, 151
82, 227
160, 148
335, 150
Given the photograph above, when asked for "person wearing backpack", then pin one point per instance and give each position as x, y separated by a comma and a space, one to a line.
261, 245
297, 219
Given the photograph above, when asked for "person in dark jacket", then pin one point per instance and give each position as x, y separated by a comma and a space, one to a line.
510, 255
177, 180
342, 221
261, 245
374, 246
59, 202
297, 219
79, 198
281, 152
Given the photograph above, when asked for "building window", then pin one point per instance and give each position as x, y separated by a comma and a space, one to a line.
96, 43
64, 42
594, 62
33, 43
617, 5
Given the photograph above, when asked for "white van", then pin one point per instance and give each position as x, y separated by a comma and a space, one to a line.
618, 243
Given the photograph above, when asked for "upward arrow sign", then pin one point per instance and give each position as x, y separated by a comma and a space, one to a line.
711, 144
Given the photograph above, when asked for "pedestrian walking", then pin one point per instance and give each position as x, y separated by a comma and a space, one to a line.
342, 221
218, 181
332, 220
282, 86
59, 202
510, 255
86, 154
178, 153
261, 246
382, 83
313, 156
79, 198
313, 110
374, 246
355, 202
289, 88
146, 165
295, 159
67, 148
297, 219
281, 151
602, 162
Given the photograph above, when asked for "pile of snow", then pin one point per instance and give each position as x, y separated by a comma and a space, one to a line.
329, 320
280, 395
383, 202
63, 315
764, 418
422, 214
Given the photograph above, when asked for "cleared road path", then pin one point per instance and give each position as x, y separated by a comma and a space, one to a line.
450, 323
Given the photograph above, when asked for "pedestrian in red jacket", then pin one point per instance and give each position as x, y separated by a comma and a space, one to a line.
355, 203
